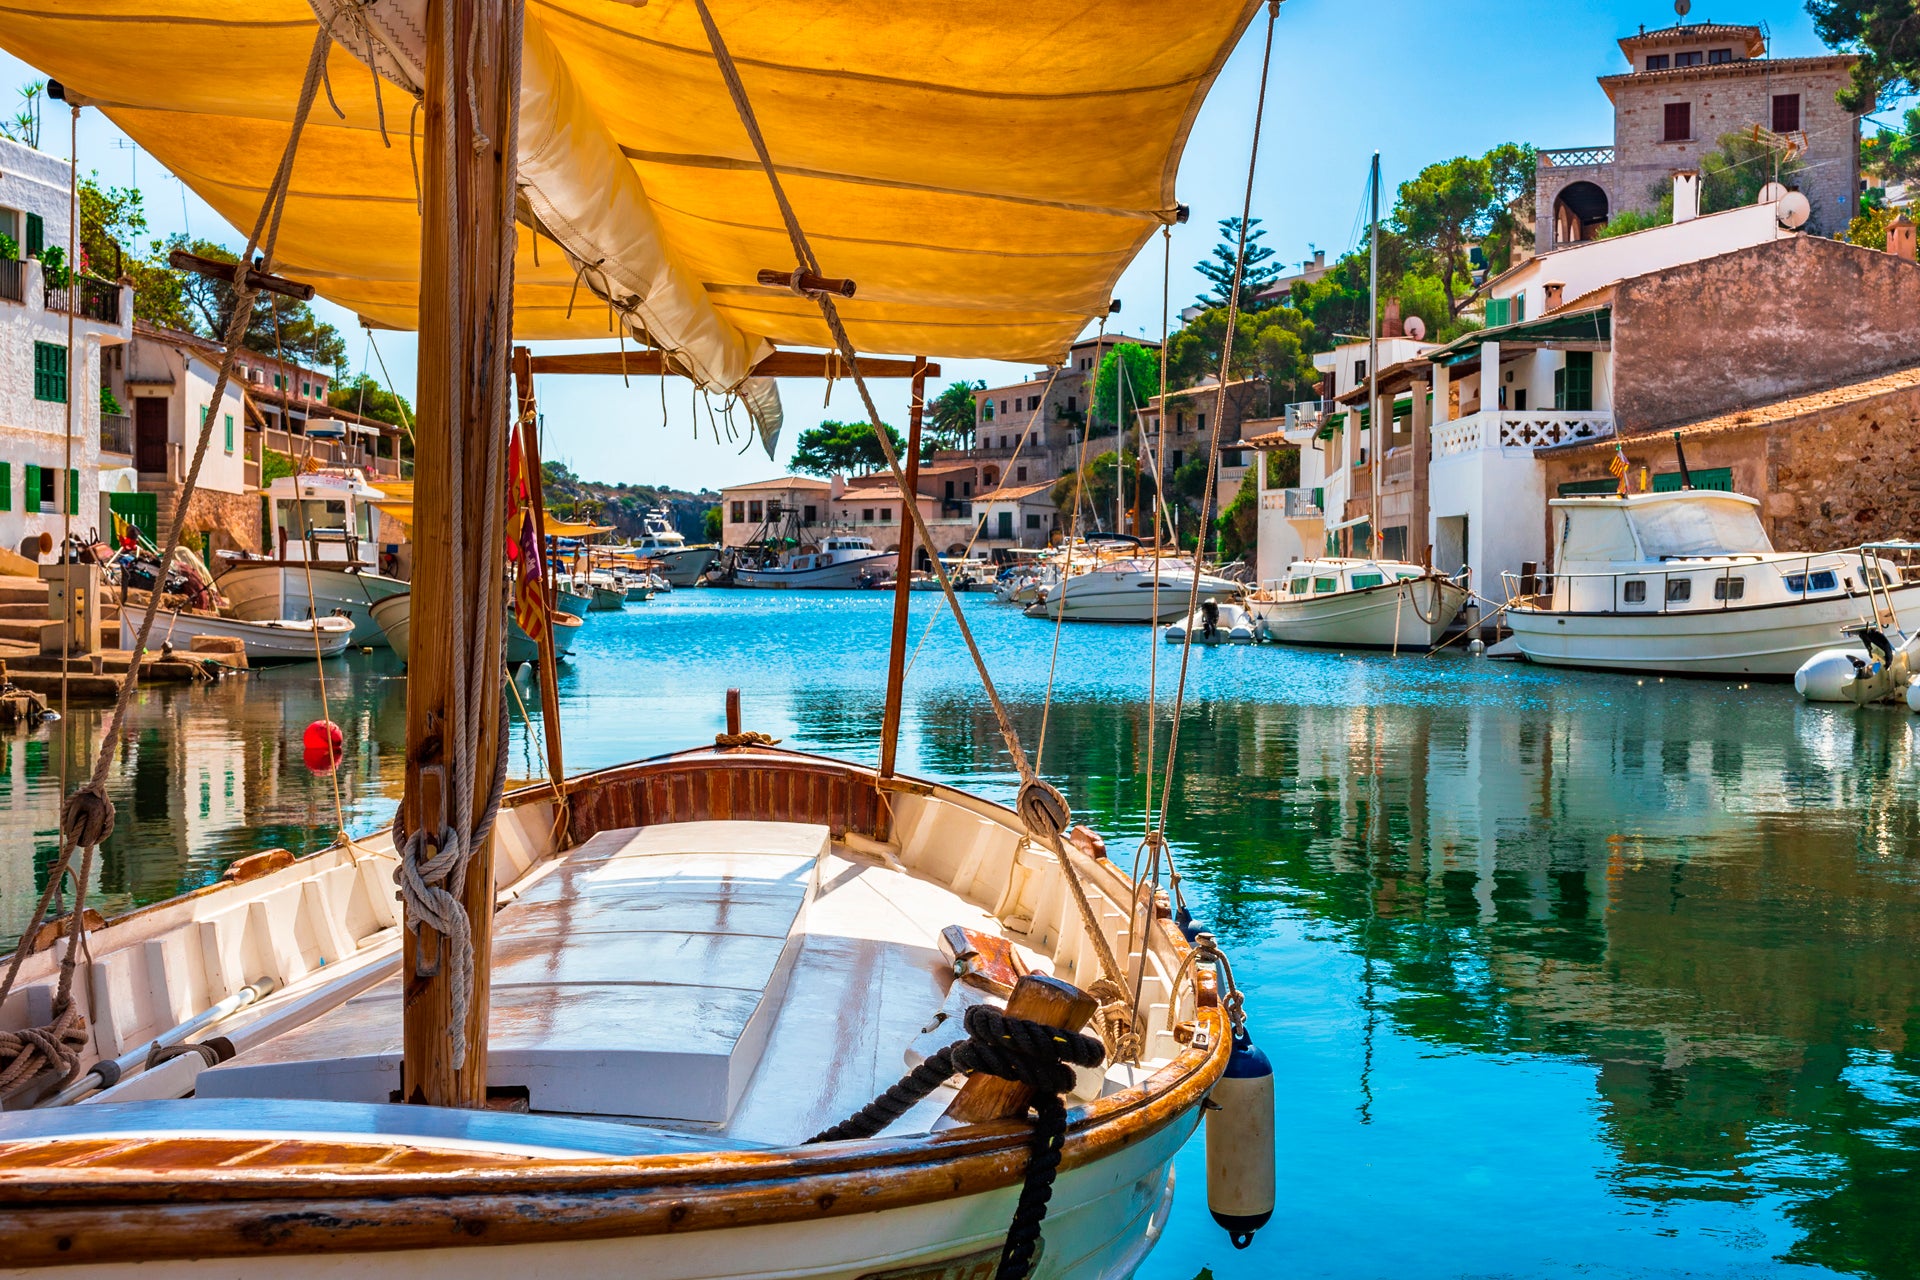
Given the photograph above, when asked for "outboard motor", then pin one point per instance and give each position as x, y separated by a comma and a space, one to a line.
1210, 618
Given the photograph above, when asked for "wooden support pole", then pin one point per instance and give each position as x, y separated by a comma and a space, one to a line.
529, 418
903, 578
1037, 999
466, 247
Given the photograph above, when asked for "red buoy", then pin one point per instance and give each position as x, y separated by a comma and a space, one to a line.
321, 758
322, 735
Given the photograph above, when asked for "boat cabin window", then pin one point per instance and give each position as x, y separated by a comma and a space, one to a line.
1879, 574
1701, 527
1730, 589
1367, 580
1596, 533
1819, 580
1679, 590
1298, 586
1325, 584
1407, 575
1635, 591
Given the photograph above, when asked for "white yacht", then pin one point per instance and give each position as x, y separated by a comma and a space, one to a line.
1688, 583
680, 563
1358, 604
842, 562
326, 562
1122, 590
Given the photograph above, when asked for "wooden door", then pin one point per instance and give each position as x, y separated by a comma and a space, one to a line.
150, 433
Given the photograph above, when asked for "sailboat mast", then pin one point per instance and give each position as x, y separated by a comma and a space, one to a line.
454, 696
1374, 459
903, 577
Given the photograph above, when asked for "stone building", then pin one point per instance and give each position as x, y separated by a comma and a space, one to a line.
1042, 422
1685, 87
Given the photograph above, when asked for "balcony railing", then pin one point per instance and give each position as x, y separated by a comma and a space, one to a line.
1309, 414
116, 434
1294, 504
1572, 157
1538, 430
13, 280
99, 300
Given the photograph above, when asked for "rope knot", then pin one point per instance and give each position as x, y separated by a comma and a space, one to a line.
748, 738
1043, 809
1030, 1053
86, 817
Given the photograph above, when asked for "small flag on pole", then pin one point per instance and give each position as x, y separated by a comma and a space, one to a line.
1619, 468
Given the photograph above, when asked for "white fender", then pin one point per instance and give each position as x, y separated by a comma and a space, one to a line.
1240, 1160
1828, 675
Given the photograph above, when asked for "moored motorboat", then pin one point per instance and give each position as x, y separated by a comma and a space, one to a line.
1216, 622
681, 563
842, 562
279, 640
1358, 604
326, 563
1130, 589
1688, 583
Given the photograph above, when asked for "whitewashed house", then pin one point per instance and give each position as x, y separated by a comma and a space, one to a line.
54, 442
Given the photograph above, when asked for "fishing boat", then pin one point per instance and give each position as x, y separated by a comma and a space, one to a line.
278, 640
395, 615
1351, 603
842, 562
1689, 583
733, 1012
1130, 589
327, 558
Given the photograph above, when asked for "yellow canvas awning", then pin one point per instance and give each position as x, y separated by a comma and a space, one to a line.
983, 171
568, 529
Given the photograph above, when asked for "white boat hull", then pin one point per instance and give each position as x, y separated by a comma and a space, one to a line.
1382, 617
275, 591
1232, 624
685, 567
1757, 640
843, 575
277, 640
1102, 597
395, 615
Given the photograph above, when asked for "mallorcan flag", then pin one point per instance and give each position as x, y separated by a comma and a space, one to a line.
1619, 468
523, 545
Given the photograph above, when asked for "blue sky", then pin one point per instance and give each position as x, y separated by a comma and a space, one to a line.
1417, 80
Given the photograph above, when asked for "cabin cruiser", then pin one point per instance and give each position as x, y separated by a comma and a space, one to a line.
1688, 583
842, 562
680, 563
1358, 604
1123, 590
326, 562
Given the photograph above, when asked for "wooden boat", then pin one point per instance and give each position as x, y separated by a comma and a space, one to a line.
1353, 603
266, 642
395, 615
685, 1114
324, 521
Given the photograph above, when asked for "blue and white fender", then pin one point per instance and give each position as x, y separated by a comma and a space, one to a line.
1240, 1173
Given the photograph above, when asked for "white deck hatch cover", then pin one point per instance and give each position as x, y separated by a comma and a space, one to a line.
639, 979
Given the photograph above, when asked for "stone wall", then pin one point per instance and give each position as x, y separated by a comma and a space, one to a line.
1826, 478
1731, 98
232, 520
1757, 326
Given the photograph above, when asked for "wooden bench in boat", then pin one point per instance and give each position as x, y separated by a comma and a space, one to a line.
641, 978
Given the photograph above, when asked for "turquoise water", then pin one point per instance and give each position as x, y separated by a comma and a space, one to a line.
1561, 974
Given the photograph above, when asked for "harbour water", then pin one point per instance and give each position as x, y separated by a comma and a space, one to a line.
1560, 973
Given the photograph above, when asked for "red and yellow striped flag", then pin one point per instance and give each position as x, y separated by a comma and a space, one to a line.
1619, 469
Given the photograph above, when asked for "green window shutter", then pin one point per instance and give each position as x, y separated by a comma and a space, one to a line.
6, 486
36, 235
229, 433
1519, 307
30, 496
1579, 382
1559, 388
49, 371
1498, 310
73, 492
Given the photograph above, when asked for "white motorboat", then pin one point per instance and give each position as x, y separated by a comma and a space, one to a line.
1688, 583
395, 614
1123, 590
275, 640
327, 560
1358, 604
681, 563
842, 562
1216, 622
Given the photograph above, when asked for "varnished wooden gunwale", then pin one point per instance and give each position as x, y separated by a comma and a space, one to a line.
211, 1197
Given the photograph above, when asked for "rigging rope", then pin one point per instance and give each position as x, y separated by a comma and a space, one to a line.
1073, 532
1041, 807
86, 815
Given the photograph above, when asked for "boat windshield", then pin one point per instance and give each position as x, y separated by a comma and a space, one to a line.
1707, 528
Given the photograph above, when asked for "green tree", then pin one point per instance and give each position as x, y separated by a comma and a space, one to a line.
1129, 377
1730, 176
1510, 166
1256, 273
950, 415
24, 125
1886, 35
1445, 209
711, 524
370, 399
1094, 485
1869, 230
842, 447
1893, 155
277, 326
112, 222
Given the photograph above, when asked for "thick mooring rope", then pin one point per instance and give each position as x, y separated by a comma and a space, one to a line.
1029, 1053
86, 816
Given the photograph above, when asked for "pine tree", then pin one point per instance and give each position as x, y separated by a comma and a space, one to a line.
1256, 275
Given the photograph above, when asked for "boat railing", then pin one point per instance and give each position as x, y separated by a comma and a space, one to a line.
1605, 591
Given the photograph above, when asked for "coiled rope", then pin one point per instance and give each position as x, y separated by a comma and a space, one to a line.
86, 816
1029, 1053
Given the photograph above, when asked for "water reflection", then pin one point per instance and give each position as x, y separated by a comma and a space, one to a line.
1563, 972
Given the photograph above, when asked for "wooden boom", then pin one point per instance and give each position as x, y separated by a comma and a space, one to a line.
781, 364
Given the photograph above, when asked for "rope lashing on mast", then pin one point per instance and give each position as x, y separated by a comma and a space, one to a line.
86, 816
1111, 989
1010, 1048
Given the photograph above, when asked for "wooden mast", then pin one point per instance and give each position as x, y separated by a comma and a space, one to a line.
903, 576
466, 243
529, 419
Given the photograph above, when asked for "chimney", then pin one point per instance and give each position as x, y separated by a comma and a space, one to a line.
1555, 291
1319, 258
1686, 195
1390, 326
1900, 237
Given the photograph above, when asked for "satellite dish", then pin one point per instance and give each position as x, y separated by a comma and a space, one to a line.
1792, 210
1414, 327
1771, 193
1683, 7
